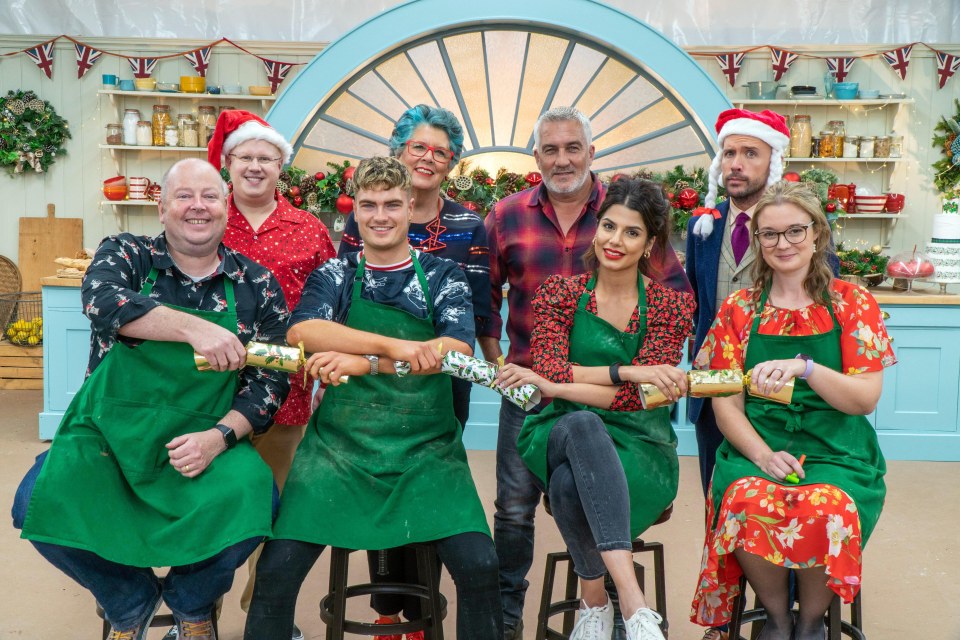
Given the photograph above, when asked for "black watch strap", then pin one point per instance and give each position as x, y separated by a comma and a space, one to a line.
615, 373
229, 435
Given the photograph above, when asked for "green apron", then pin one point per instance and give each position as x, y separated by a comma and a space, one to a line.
645, 440
382, 463
842, 450
107, 484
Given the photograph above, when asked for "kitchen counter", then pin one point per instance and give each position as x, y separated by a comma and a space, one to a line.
924, 293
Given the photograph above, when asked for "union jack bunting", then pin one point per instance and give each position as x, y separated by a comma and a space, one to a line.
730, 64
276, 72
142, 67
42, 56
781, 61
86, 57
947, 65
840, 66
200, 60
899, 60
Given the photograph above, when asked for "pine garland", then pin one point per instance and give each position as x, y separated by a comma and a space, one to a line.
31, 132
946, 176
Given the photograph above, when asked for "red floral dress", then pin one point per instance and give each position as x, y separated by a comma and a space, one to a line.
790, 526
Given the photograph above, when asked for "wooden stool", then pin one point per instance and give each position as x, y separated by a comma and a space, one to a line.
836, 625
165, 620
570, 603
333, 606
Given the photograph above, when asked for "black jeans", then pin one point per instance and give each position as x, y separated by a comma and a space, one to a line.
469, 557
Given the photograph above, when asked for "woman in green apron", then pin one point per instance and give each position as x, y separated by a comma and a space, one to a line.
796, 486
382, 463
608, 467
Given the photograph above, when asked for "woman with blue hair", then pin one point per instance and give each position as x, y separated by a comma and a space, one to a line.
429, 141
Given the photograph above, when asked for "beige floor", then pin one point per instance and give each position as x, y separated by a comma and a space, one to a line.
912, 572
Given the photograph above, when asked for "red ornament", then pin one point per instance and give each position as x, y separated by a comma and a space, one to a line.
297, 201
533, 178
470, 205
688, 198
348, 173
489, 182
791, 176
831, 207
294, 191
671, 196
319, 175
344, 203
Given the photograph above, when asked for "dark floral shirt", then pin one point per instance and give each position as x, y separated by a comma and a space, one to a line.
111, 298
669, 322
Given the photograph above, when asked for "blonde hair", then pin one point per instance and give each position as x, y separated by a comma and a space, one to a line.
804, 197
382, 173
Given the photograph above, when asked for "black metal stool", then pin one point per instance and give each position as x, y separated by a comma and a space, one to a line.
571, 601
165, 620
333, 606
836, 625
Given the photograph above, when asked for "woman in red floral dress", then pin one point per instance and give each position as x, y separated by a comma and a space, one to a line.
796, 323
609, 467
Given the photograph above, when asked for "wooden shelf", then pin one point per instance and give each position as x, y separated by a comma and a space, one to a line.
827, 102
873, 216
130, 203
132, 147
838, 160
191, 96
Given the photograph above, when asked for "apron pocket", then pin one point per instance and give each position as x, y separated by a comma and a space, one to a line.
137, 432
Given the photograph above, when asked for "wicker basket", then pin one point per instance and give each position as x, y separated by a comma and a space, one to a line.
21, 317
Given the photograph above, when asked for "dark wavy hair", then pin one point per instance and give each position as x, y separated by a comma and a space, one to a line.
435, 117
648, 199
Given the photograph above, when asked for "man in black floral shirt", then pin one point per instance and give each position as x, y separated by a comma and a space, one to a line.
146, 469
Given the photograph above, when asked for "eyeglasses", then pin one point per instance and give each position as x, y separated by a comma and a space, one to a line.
419, 149
249, 159
794, 235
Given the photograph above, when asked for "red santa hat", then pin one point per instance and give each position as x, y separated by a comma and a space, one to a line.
769, 126
235, 127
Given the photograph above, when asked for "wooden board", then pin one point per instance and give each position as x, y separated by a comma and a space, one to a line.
44, 239
33, 385
20, 367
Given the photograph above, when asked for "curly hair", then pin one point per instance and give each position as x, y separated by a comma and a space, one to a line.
436, 117
381, 173
804, 197
648, 199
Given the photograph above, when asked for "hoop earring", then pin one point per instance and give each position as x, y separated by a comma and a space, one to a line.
646, 254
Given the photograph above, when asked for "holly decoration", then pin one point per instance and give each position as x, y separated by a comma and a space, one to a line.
477, 188
863, 263
314, 192
947, 169
31, 133
820, 180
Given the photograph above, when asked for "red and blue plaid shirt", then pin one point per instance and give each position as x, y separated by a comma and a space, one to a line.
527, 246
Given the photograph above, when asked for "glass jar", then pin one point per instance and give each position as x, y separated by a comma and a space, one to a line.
161, 118
851, 147
867, 144
882, 148
222, 109
207, 121
827, 141
182, 120
815, 146
189, 134
144, 133
130, 119
800, 137
170, 135
839, 134
114, 134
896, 146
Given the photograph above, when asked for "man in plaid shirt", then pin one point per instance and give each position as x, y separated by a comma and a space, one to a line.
533, 234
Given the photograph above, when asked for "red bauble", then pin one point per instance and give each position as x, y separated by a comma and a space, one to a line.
297, 201
489, 182
470, 205
294, 191
671, 196
319, 175
791, 176
688, 198
533, 178
344, 203
675, 204
831, 207
348, 173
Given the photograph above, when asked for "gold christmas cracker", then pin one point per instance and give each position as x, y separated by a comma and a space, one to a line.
714, 384
270, 356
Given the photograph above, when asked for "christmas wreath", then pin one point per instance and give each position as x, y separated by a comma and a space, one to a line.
946, 137
31, 132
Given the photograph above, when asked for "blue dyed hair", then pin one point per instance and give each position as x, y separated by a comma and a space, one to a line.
433, 116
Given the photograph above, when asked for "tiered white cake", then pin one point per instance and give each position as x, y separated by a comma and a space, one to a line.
944, 246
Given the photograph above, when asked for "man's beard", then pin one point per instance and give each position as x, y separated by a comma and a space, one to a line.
552, 187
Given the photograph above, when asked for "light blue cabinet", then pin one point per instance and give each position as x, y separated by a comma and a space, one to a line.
66, 346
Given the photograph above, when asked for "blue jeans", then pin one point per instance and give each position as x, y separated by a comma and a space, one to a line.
129, 595
589, 497
517, 496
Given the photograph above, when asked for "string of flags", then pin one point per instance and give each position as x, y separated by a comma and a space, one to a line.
87, 56
898, 59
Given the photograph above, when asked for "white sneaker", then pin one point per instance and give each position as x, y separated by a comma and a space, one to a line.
594, 623
644, 625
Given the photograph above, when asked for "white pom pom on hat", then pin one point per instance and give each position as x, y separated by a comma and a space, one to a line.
234, 127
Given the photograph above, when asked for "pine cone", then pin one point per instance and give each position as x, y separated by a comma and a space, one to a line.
948, 143
285, 176
308, 182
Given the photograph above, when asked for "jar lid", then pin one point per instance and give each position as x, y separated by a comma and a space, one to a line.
207, 108
868, 137
161, 107
131, 110
853, 138
144, 123
801, 117
828, 132
170, 126
185, 116
883, 137
114, 126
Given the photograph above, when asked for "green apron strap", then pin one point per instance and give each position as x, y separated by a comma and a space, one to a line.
149, 282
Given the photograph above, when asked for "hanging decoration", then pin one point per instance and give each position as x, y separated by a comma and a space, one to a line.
730, 64
946, 138
86, 58
199, 60
899, 60
142, 67
840, 67
42, 56
31, 133
947, 65
781, 61
276, 72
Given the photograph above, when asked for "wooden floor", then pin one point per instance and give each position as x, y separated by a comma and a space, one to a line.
911, 575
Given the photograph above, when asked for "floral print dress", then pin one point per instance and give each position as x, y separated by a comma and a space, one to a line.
803, 526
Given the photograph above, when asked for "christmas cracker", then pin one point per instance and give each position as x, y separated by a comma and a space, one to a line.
715, 384
482, 372
270, 356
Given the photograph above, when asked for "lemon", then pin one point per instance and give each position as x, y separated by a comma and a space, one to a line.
11, 331
33, 340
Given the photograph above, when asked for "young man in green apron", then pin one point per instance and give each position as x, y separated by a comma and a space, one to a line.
151, 466
382, 463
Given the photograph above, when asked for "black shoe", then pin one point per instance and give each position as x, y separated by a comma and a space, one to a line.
297, 634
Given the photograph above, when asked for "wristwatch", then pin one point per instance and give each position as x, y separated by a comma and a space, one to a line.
229, 435
374, 364
809, 361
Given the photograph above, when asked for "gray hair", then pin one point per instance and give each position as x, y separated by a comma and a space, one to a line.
188, 161
562, 114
